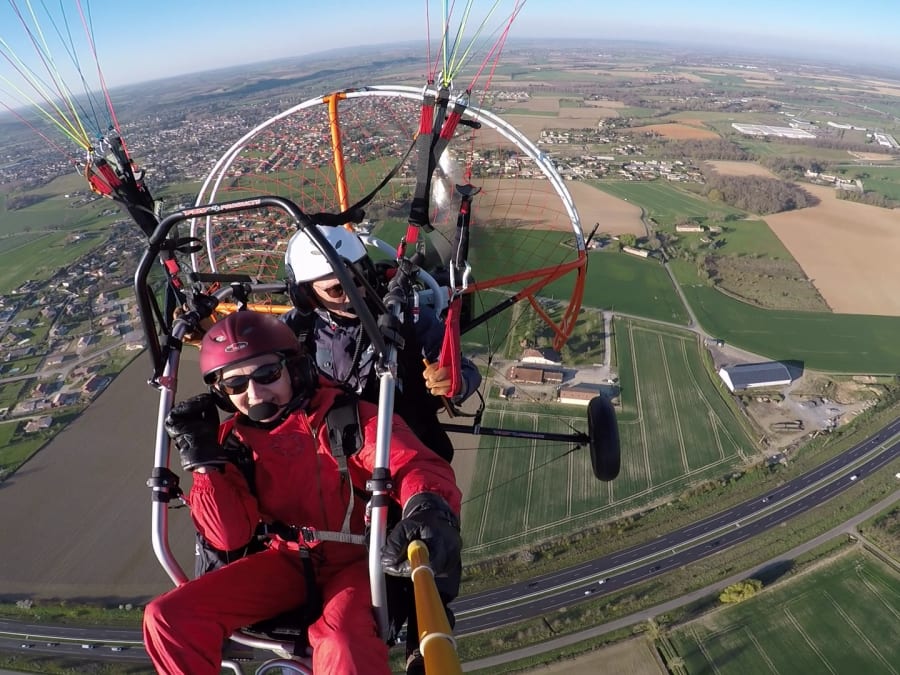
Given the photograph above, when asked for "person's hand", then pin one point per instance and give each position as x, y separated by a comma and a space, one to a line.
428, 518
193, 426
195, 336
438, 380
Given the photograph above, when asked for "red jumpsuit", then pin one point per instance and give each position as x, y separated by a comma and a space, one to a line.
298, 482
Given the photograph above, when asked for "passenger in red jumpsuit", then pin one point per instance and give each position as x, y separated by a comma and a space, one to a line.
253, 363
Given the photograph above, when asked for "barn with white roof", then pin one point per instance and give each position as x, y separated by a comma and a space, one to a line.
755, 376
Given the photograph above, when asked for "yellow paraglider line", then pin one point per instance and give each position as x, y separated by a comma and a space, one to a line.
47, 56
68, 128
73, 129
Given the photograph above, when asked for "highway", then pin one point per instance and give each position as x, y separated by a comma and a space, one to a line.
539, 595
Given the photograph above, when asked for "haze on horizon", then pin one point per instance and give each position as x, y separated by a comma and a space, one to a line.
143, 42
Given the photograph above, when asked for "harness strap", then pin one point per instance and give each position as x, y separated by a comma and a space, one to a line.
311, 535
312, 608
306, 535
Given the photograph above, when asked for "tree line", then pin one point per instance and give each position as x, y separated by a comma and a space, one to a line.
756, 194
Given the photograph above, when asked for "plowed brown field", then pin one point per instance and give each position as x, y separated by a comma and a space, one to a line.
850, 251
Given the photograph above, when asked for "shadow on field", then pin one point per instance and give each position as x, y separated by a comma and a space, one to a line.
773, 572
18, 474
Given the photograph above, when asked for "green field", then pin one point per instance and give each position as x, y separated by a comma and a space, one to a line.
41, 258
631, 285
762, 148
55, 207
845, 343
840, 618
751, 237
663, 202
675, 429
883, 180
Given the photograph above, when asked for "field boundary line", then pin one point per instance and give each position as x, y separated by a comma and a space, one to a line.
806, 638
665, 362
637, 399
712, 411
527, 508
762, 652
592, 512
714, 425
874, 590
489, 489
860, 633
706, 654
569, 484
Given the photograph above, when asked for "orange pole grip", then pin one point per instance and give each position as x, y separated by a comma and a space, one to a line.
435, 637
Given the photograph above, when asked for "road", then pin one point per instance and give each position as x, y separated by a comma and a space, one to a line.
537, 596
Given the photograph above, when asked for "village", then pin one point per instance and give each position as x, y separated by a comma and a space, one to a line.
59, 336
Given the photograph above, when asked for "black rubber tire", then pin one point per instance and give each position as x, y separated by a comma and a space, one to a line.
603, 434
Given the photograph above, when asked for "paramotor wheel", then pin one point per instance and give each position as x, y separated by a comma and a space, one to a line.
603, 435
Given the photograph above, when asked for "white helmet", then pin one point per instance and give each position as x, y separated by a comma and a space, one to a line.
305, 262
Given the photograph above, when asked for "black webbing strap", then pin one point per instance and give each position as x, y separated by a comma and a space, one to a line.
355, 213
433, 111
447, 129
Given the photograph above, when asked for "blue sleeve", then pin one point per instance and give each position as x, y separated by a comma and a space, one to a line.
430, 334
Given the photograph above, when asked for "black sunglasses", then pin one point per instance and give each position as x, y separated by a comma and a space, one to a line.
334, 292
266, 374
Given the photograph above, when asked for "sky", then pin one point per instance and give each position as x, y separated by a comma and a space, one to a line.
140, 41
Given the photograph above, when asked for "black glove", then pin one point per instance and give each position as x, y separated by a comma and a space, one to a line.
428, 518
193, 425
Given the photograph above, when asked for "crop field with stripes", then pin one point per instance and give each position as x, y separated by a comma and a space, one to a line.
840, 618
675, 429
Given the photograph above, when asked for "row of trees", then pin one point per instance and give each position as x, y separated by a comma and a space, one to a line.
870, 198
696, 149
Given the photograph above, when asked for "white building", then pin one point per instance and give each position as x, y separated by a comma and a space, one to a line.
755, 376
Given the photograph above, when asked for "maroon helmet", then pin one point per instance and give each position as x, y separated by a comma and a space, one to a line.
241, 336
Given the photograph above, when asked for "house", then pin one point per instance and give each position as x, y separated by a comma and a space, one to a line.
545, 357
525, 374
578, 394
636, 251
38, 423
95, 384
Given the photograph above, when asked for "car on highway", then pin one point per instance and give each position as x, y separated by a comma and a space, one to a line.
854, 476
